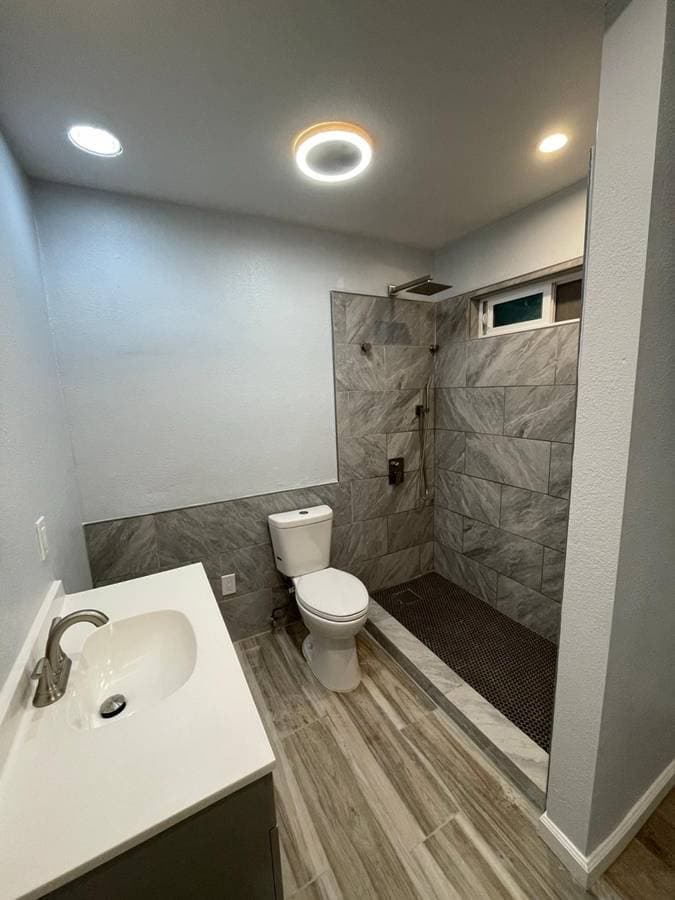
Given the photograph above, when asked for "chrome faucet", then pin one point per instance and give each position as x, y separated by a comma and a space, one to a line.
52, 671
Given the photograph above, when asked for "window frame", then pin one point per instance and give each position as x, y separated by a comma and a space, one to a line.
546, 288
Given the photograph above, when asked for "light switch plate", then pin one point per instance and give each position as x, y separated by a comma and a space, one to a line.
228, 584
43, 543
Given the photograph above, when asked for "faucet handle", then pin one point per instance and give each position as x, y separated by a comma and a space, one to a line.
44, 670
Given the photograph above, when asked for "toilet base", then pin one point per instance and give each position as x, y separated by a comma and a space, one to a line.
335, 663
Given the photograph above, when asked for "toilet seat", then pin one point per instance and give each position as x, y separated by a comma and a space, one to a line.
332, 594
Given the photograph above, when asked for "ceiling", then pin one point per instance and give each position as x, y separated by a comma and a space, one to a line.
207, 96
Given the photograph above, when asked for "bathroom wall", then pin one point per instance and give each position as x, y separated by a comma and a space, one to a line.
540, 235
504, 436
37, 463
614, 729
390, 537
195, 347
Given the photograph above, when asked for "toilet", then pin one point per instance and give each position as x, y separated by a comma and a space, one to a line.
333, 604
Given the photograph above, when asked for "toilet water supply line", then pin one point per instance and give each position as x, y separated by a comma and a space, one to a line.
421, 411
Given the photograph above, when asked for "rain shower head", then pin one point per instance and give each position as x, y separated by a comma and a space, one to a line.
424, 285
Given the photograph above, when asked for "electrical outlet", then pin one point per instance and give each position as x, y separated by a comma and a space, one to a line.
228, 584
43, 543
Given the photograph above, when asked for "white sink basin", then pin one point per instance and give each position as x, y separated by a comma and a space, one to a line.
146, 658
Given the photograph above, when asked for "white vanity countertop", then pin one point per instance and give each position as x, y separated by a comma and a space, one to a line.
71, 799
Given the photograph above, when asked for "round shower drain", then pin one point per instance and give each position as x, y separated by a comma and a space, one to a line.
113, 706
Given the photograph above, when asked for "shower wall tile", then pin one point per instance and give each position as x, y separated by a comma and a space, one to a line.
342, 412
567, 354
538, 517
543, 413
122, 548
452, 321
450, 449
511, 555
407, 367
448, 528
410, 528
529, 607
553, 574
470, 409
526, 357
356, 370
374, 412
560, 476
381, 320
473, 497
509, 460
465, 572
407, 445
427, 557
375, 497
358, 541
450, 365
394, 568
363, 457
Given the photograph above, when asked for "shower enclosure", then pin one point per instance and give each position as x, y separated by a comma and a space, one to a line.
464, 558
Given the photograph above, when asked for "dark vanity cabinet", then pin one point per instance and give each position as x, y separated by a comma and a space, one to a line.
228, 850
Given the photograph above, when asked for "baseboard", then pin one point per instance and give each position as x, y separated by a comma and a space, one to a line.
586, 869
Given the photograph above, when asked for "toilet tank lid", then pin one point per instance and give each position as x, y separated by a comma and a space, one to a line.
308, 516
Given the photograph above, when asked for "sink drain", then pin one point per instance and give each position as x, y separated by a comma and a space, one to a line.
113, 706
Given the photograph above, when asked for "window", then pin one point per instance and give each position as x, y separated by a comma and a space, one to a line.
531, 306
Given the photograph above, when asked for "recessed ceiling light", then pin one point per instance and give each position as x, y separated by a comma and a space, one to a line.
94, 140
333, 151
553, 142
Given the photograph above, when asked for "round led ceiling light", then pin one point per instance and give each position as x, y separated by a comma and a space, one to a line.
553, 142
94, 140
333, 151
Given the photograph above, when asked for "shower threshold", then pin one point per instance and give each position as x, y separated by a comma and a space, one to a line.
485, 672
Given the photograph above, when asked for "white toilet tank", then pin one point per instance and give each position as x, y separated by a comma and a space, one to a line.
301, 539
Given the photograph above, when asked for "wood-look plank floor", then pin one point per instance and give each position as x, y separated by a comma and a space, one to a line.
381, 796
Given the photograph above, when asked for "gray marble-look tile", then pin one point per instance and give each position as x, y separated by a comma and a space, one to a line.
536, 516
517, 461
381, 320
427, 557
567, 354
529, 607
363, 457
358, 370
358, 540
197, 534
452, 320
407, 445
375, 412
560, 476
470, 409
450, 449
450, 365
251, 613
122, 547
407, 367
448, 527
375, 497
467, 573
553, 575
507, 553
474, 497
410, 528
527, 357
545, 412
254, 568
394, 568
339, 317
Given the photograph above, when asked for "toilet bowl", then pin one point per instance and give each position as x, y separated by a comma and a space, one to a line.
334, 607
333, 604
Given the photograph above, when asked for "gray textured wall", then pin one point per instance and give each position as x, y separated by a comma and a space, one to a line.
504, 437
